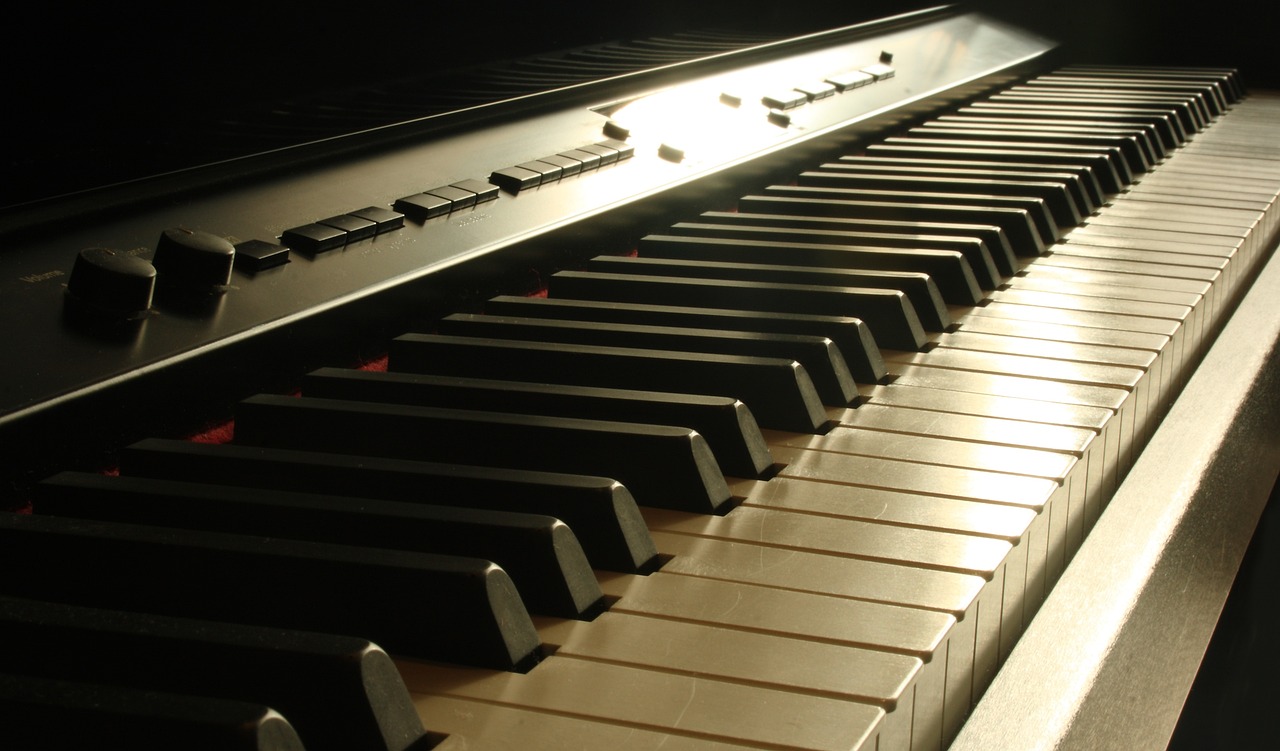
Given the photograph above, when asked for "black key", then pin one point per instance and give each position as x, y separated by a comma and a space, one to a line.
339, 692
1072, 181
918, 287
1080, 182
960, 287
851, 335
1110, 169
993, 260
1224, 81
819, 356
780, 394
1035, 208
1166, 118
1016, 224
1054, 195
889, 313
601, 512
1162, 126
68, 716
1189, 117
540, 553
1129, 146
663, 466
727, 424
1143, 134
434, 607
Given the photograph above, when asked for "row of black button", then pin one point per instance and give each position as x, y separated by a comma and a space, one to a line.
565, 164
841, 82
317, 237
446, 198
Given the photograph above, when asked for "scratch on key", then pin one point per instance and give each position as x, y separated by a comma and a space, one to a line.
693, 691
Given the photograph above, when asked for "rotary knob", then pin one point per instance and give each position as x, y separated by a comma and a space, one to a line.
191, 261
109, 284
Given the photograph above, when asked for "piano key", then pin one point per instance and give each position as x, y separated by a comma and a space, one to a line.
1140, 140
498, 726
779, 392
980, 245
1017, 225
920, 288
937, 450
1224, 81
602, 513
540, 553
819, 356
690, 478
1203, 98
889, 313
977, 606
1082, 180
338, 692
948, 269
429, 606
895, 682
676, 703
1192, 120
727, 424
1036, 209
918, 633
850, 334
1075, 183
52, 714
1111, 171
848, 537
1057, 201
1161, 126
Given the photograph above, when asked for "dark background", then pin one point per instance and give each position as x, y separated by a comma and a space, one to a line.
108, 77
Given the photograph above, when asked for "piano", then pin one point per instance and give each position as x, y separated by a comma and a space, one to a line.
900, 385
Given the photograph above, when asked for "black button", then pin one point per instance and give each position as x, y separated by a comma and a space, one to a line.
355, 227
880, 71
568, 167
607, 155
385, 219
589, 160
548, 171
671, 153
515, 179
850, 80
457, 197
784, 100
484, 191
625, 150
816, 91
614, 129
314, 238
256, 255
422, 206
779, 118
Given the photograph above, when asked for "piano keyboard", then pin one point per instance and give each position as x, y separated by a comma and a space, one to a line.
905, 386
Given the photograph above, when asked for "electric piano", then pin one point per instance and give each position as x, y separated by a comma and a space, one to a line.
902, 385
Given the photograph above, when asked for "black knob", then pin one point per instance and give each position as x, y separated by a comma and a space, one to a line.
193, 261
111, 284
